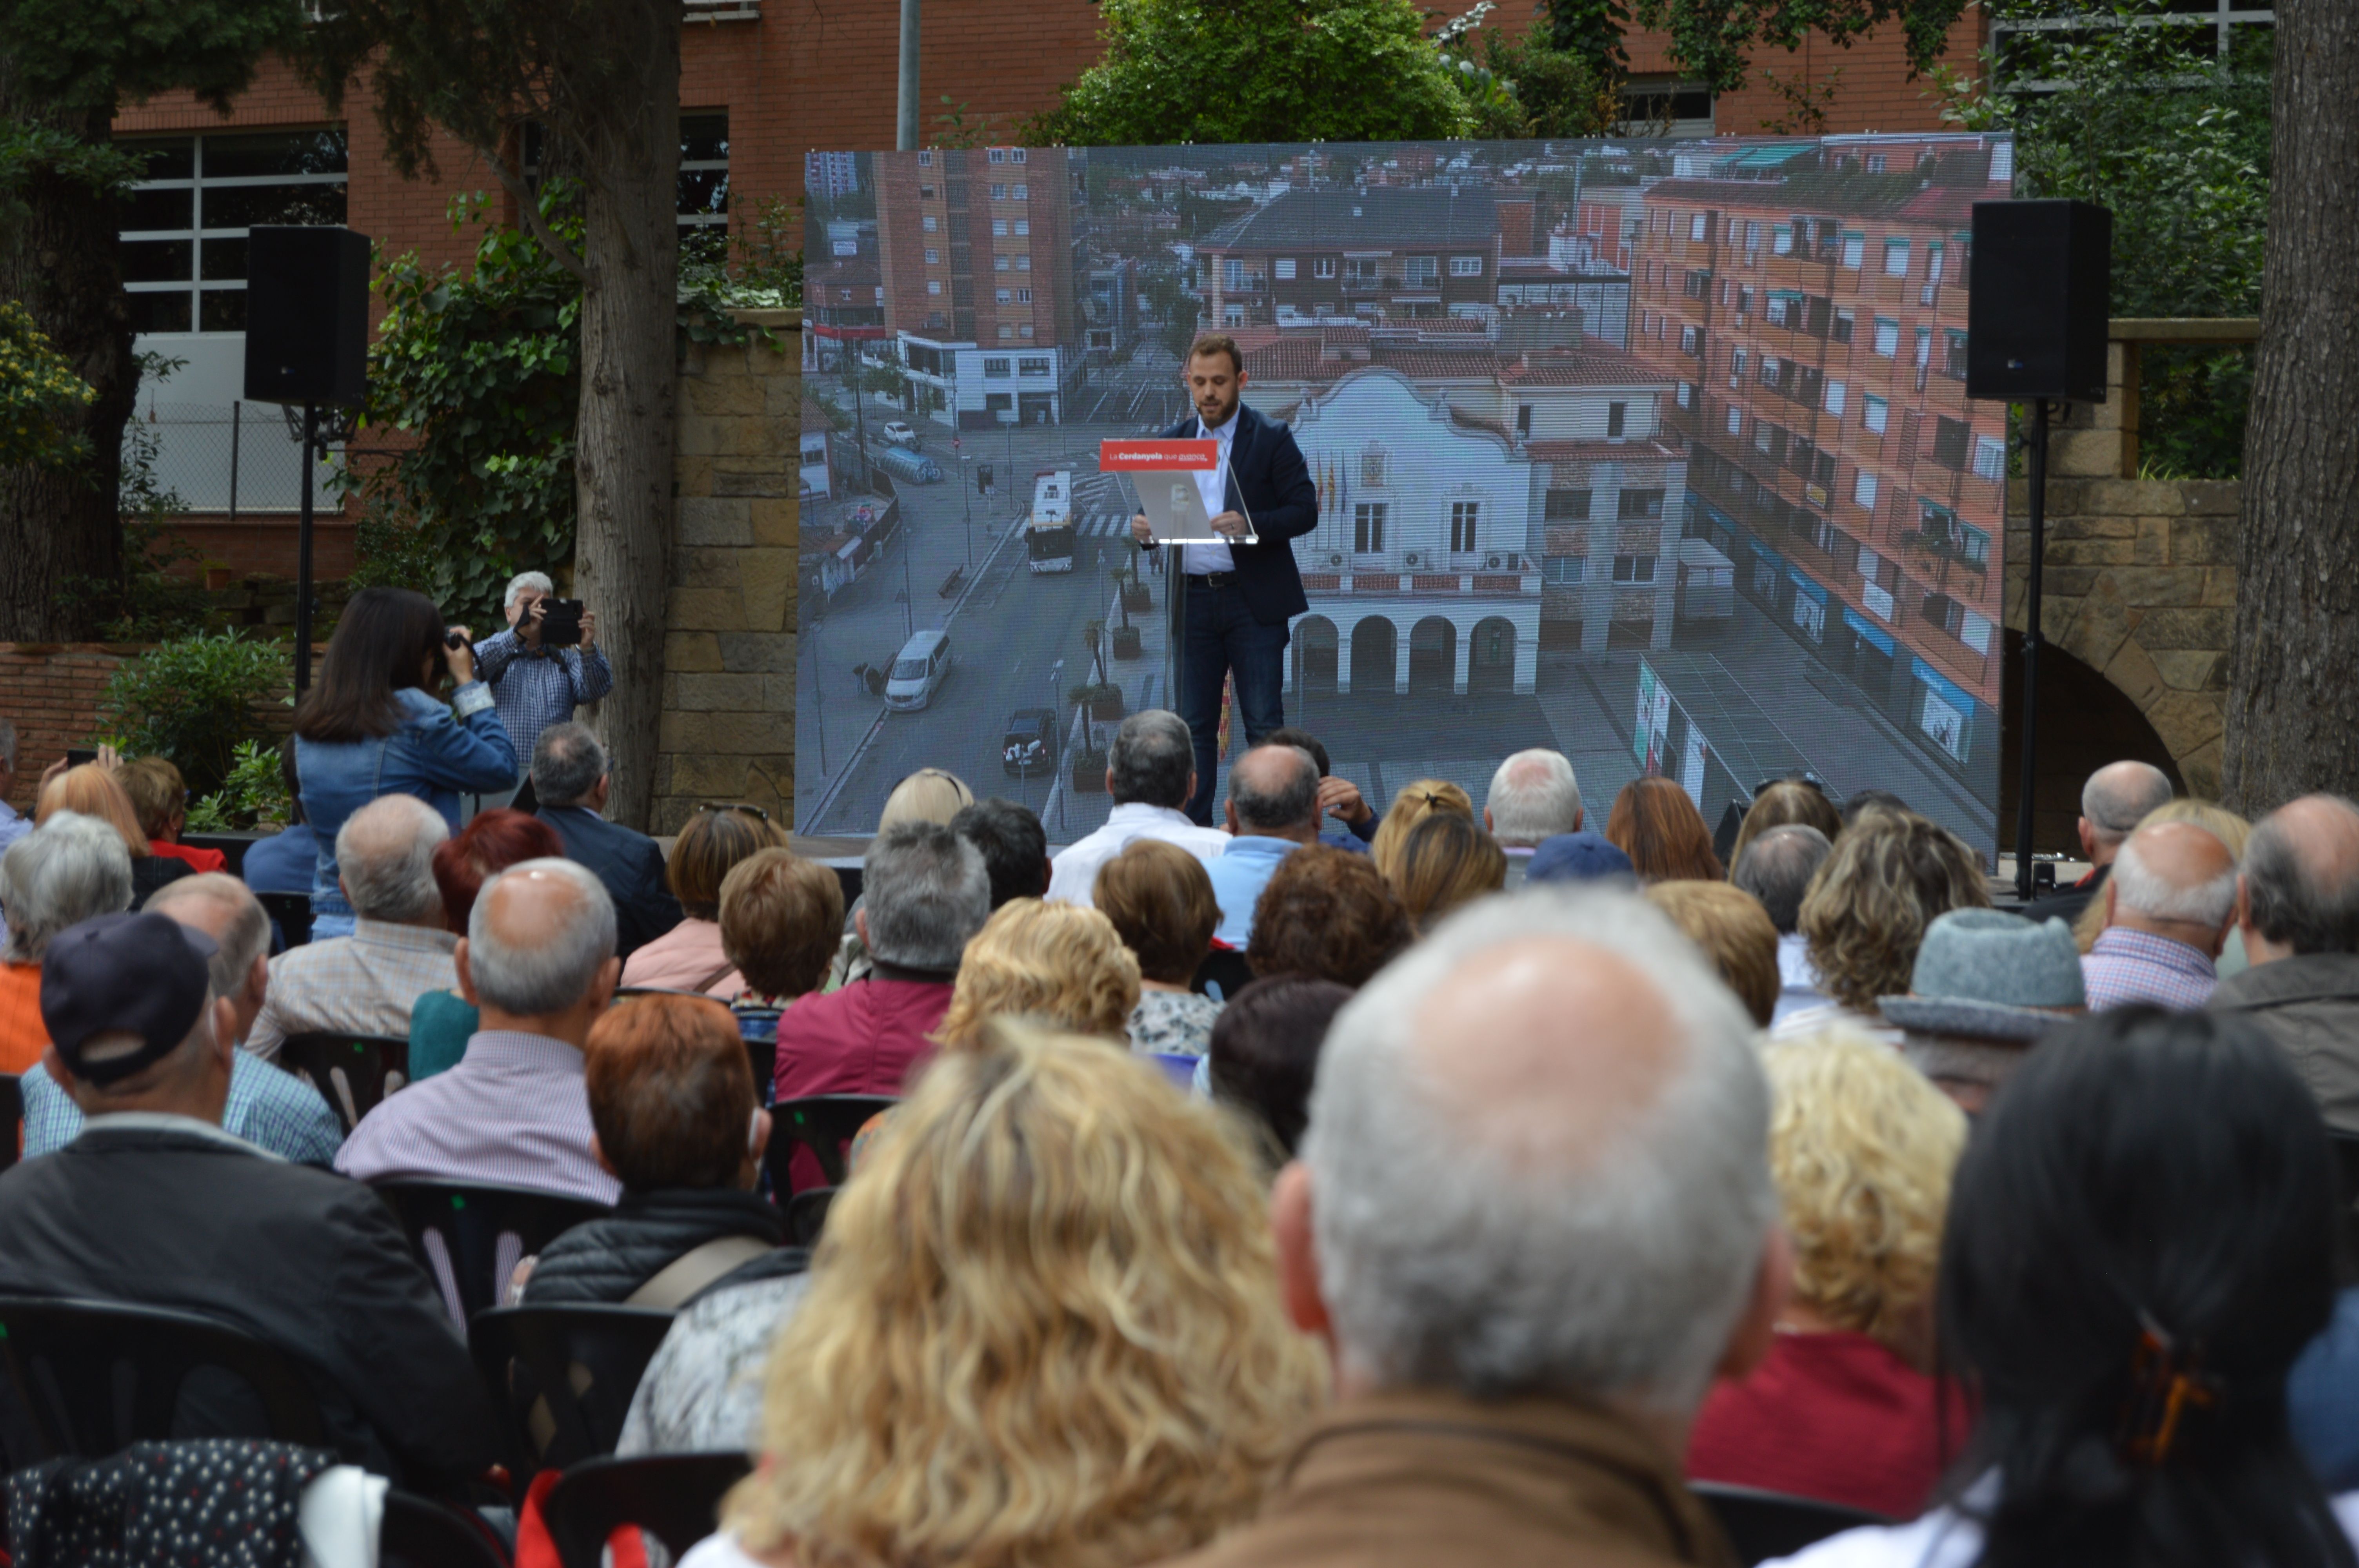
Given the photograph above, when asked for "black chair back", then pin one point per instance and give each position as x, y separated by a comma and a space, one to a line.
1761, 1525
2346, 1210
419, 1533
1222, 974
806, 1216
291, 913
580, 1364
353, 1073
821, 1123
759, 1025
482, 1231
97, 1377
12, 1118
676, 1497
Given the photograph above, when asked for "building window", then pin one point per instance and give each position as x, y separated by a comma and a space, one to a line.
1736, 368
1954, 360
1022, 297
999, 263
1863, 489
1685, 395
999, 228
929, 223
999, 193
1564, 571
1634, 505
1032, 369
1025, 330
1989, 457
1617, 415
1021, 192
1690, 339
1835, 398
1322, 266
1282, 269
1751, 235
1896, 259
1875, 163
1015, 154
1949, 437
925, 193
1368, 527
925, 157
1006, 331
1024, 261
1781, 239
933, 256
1465, 266
1636, 571
1463, 518
995, 369
993, 402
1023, 226
1875, 414
997, 155
1421, 272
183, 228
1855, 249
1003, 296
1845, 323
1735, 419
1887, 336
1566, 506
1524, 421
933, 286
1699, 226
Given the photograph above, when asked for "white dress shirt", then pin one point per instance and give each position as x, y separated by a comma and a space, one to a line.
1214, 486
1073, 870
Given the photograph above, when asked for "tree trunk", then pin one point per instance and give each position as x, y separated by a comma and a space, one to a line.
2294, 682
60, 534
629, 392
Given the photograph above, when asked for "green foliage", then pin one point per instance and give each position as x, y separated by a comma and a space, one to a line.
1555, 90
253, 795
85, 56
37, 387
2175, 142
1712, 39
482, 371
1259, 71
191, 699
761, 267
1591, 31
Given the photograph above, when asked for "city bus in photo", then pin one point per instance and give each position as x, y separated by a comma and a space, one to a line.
1048, 533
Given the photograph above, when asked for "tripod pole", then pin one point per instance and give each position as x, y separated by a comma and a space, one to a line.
2035, 449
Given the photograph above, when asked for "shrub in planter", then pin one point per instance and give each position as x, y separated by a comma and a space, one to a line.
1089, 771
1104, 699
191, 699
1126, 642
1137, 595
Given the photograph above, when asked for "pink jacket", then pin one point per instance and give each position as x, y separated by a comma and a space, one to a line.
688, 958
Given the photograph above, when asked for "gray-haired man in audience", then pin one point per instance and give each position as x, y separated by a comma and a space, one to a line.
1151, 776
273, 1110
1777, 868
1534, 796
2298, 900
399, 949
1531, 1247
570, 775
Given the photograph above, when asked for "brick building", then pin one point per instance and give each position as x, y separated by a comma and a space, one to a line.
764, 83
1809, 302
1368, 251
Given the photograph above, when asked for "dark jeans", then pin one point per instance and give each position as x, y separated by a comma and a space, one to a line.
1223, 639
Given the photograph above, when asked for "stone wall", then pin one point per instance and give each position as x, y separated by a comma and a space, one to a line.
2140, 581
728, 653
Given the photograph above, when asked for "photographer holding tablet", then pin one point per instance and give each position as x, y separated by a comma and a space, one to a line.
540, 669
1241, 591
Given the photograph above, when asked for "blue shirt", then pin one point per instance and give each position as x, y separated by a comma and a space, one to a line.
440, 752
268, 1107
283, 863
1236, 887
538, 687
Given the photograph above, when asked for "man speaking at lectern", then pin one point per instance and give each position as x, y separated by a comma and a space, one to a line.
1239, 593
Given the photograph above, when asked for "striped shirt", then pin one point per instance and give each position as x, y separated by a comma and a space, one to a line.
268, 1107
512, 1113
361, 984
2127, 967
536, 687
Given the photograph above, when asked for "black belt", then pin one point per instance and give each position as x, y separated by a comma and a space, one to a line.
1213, 580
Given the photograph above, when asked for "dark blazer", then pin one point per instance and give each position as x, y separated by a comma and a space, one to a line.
1268, 477
174, 1216
630, 864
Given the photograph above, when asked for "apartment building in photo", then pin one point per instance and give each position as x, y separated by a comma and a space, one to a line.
1395, 253
1808, 298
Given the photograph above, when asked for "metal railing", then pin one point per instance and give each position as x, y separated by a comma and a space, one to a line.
235, 458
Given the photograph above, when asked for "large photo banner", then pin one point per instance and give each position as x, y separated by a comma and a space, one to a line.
1654, 452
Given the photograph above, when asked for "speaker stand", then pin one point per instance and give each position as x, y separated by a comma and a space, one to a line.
2035, 451
303, 555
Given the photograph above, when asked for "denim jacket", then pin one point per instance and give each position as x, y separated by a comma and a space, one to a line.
436, 755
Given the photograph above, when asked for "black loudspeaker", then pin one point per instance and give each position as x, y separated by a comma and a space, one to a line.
2037, 312
306, 315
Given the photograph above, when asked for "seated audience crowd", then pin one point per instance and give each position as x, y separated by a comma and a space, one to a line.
1545, 1187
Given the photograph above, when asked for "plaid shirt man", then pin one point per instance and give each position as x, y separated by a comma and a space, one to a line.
361, 984
536, 687
2127, 967
271, 1109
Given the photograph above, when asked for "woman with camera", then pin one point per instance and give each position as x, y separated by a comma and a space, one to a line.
374, 723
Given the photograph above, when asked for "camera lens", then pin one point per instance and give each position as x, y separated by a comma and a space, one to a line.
452, 639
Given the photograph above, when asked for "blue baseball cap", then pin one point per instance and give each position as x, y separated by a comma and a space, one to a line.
1577, 858
123, 974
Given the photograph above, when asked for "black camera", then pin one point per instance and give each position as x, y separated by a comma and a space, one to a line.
455, 639
561, 622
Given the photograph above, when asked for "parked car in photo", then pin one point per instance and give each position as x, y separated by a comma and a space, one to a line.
919, 669
1030, 745
900, 434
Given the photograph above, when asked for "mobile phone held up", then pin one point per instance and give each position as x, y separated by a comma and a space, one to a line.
560, 624
77, 756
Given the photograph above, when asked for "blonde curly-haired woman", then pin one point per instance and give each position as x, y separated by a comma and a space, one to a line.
1043, 1329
